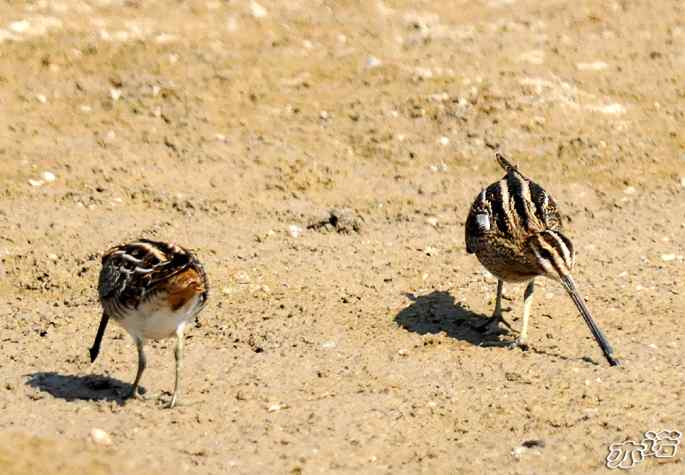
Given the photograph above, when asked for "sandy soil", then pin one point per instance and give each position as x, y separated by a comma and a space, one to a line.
349, 348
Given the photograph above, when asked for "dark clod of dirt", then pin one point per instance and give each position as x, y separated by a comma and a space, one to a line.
529, 444
342, 221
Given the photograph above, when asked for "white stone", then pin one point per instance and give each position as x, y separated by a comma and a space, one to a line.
257, 10
294, 230
100, 437
373, 62
594, 66
19, 26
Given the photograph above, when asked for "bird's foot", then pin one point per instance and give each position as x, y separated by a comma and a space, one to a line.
518, 343
175, 401
136, 393
495, 325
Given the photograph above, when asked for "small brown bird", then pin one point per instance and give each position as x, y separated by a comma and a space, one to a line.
515, 230
152, 289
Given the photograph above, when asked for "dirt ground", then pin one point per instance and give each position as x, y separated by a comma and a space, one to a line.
320, 157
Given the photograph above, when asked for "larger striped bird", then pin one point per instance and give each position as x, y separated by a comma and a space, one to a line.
152, 289
515, 230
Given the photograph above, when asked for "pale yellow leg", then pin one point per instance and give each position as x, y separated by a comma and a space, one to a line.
141, 367
178, 354
527, 302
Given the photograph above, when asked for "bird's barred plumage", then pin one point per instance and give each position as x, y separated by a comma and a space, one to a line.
515, 207
135, 273
515, 229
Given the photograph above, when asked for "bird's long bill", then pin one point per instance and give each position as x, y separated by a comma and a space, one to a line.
585, 313
95, 349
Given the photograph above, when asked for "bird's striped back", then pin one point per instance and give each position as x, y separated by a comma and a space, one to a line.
513, 208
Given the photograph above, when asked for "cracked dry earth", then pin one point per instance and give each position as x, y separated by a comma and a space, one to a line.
320, 157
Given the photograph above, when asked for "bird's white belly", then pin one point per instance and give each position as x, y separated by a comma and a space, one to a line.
152, 321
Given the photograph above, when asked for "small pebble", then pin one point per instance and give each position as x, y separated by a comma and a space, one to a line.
444, 141
652, 346
682, 181
100, 437
323, 115
424, 73
36, 182
518, 451
19, 26
257, 10
328, 344
594, 66
403, 352
294, 230
630, 190
53, 257
432, 220
115, 94
41, 98
277, 407
373, 62
48, 176
667, 257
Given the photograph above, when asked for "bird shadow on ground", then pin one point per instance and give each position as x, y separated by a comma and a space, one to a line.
437, 312
90, 387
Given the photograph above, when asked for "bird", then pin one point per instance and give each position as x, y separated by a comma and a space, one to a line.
152, 289
515, 229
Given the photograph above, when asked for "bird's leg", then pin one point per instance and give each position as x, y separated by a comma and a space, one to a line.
178, 354
498, 300
141, 368
492, 325
521, 341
